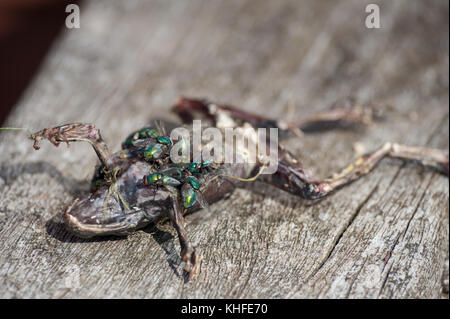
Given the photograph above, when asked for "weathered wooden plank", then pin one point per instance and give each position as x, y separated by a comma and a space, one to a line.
384, 236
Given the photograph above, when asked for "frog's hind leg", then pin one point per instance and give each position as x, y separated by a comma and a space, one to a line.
75, 132
292, 177
189, 109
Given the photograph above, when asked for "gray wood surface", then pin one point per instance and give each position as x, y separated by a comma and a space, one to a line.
385, 236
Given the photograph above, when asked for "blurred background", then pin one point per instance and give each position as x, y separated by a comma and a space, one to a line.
27, 30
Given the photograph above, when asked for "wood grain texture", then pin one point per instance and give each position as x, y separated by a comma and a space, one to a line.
384, 236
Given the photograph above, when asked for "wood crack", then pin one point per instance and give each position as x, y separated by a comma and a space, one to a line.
403, 234
357, 211
341, 234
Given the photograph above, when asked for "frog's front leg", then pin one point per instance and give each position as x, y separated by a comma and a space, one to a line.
75, 132
188, 253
